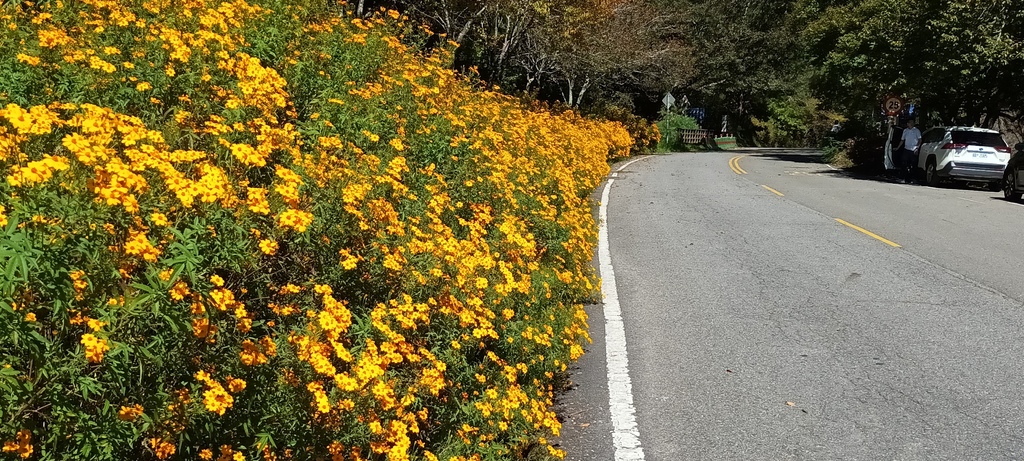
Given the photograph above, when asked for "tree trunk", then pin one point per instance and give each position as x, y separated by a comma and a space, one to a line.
583, 90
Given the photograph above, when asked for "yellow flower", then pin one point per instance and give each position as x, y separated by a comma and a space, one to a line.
216, 399
179, 291
247, 155
268, 246
166, 274
201, 327
30, 60
217, 280
128, 414
257, 200
30, 317
94, 348
143, 86
397, 144
295, 219
323, 405
348, 261
138, 244
95, 325
99, 64
3, 216
372, 137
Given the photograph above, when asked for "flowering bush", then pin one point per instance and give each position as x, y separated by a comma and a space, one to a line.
270, 230
646, 135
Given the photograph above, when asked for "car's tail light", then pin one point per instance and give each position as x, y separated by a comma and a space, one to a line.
952, 145
1005, 150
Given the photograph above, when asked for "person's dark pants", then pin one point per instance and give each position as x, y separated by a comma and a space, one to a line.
908, 163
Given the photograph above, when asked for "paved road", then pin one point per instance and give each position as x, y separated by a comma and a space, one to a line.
760, 327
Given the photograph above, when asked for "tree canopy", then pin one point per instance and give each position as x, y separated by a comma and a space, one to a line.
960, 61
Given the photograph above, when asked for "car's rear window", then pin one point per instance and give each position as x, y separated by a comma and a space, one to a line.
977, 138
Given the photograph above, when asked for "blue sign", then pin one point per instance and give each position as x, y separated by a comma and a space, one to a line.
697, 113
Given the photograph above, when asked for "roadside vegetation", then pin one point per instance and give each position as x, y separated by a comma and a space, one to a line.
273, 230
672, 124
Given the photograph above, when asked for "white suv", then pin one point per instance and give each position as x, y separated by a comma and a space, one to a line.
962, 153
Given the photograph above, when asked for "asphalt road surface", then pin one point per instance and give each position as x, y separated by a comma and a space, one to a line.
759, 326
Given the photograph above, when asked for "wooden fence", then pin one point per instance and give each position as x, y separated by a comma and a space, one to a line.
695, 136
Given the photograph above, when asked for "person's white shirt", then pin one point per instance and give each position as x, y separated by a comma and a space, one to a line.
911, 138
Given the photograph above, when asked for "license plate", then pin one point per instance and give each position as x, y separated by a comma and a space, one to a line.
980, 154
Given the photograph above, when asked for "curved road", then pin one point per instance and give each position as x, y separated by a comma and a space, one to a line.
760, 326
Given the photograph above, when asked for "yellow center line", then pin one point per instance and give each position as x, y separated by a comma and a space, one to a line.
734, 164
738, 167
869, 233
780, 194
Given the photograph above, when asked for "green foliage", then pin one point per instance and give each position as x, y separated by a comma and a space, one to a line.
670, 126
837, 153
960, 61
795, 121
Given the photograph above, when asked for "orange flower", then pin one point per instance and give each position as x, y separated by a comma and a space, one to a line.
235, 385
129, 414
251, 354
22, 445
162, 448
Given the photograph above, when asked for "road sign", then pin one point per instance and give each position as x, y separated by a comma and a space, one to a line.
893, 104
669, 100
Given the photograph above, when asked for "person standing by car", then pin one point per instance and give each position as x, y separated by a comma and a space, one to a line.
909, 143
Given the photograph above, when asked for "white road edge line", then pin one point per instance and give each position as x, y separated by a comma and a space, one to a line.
625, 433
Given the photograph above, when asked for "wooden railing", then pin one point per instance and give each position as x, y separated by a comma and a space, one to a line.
695, 136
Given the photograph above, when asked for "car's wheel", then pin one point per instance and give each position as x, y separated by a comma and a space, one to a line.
931, 176
1009, 187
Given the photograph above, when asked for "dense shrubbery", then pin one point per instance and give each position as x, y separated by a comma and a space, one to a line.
271, 231
796, 121
670, 127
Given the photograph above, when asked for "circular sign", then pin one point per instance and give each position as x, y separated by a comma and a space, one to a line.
892, 104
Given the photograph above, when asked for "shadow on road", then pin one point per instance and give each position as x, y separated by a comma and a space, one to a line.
1001, 199
862, 173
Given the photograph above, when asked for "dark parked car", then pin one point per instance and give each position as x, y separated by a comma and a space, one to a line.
1013, 182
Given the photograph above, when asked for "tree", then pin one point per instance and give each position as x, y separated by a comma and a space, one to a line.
961, 60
